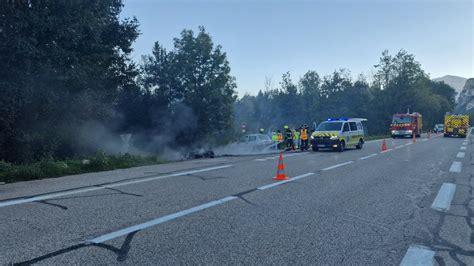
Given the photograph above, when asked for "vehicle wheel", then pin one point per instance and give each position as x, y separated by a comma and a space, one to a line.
417, 135
341, 146
359, 145
445, 135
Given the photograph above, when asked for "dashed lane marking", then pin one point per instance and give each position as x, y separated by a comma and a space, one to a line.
386, 151
460, 154
398, 147
161, 220
61, 194
423, 140
336, 166
418, 255
456, 167
442, 202
284, 181
367, 157
409, 143
463, 148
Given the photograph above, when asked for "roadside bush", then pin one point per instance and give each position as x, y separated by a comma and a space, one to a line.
50, 168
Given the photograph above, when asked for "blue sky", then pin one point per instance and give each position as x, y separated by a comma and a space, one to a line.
267, 38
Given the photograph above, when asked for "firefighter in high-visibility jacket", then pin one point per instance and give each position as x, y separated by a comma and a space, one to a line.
274, 136
296, 138
288, 137
304, 138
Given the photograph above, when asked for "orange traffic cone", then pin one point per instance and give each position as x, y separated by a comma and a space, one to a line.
281, 169
384, 145
414, 138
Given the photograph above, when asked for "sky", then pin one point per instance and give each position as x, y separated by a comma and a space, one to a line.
264, 39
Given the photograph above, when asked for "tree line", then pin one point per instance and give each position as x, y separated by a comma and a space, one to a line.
68, 87
399, 84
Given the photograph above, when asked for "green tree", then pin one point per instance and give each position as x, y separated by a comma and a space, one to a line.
192, 85
63, 64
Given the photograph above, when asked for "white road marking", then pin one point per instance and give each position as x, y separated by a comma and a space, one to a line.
464, 143
409, 143
398, 147
367, 157
336, 166
418, 255
423, 140
161, 220
463, 148
442, 202
284, 181
460, 154
456, 167
77, 191
386, 151
375, 140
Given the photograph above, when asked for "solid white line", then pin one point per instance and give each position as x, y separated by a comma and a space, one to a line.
366, 157
398, 147
284, 181
163, 219
463, 148
336, 166
409, 143
418, 255
77, 191
460, 154
386, 151
442, 202
455, 167
375, 140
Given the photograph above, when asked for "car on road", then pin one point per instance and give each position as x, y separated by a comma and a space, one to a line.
339, 134
438, 128
256, 142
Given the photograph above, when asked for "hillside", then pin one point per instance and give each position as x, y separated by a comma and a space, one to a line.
454, 81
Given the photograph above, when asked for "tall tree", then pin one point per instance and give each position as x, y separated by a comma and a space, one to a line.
63, 63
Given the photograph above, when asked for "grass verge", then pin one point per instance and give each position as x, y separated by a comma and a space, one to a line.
50, 168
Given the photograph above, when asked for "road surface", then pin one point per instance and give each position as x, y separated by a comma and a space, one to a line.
411, 204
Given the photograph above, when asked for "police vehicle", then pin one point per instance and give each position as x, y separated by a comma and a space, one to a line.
339, 134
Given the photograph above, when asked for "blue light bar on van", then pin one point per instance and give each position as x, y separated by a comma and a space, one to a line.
337, 119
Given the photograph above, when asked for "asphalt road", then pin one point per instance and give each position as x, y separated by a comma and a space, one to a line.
411, 204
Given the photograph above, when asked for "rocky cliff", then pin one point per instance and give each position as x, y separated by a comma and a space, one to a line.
465, 102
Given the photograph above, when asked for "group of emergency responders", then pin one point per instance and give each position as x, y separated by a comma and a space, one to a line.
291, 139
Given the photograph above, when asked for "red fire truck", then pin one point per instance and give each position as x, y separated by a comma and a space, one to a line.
406, 125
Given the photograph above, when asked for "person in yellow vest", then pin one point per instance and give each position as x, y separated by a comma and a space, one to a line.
304, 138
274, 136
296, 138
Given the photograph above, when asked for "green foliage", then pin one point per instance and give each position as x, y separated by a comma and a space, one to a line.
188, 93
50, 168
63, 64
398, 85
